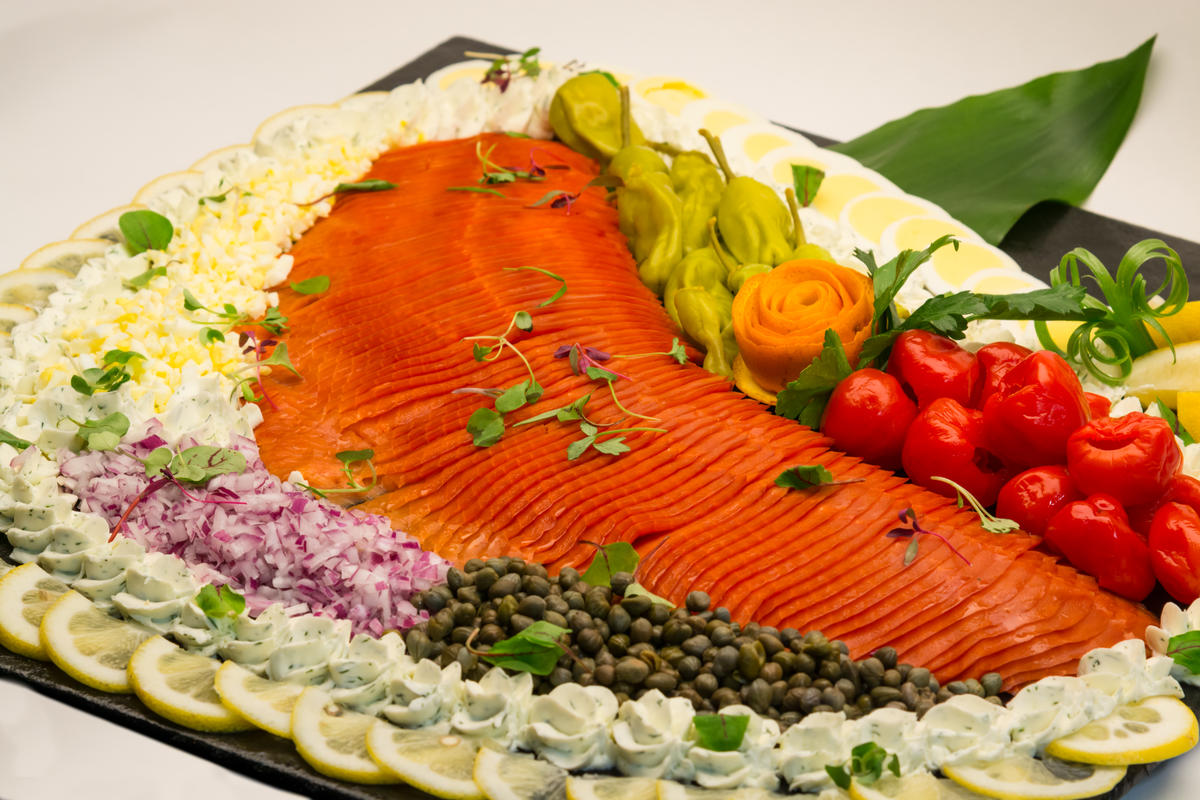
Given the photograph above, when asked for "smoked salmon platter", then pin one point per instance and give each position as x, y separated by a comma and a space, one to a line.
501, 370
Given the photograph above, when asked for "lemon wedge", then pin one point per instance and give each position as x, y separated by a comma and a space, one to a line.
918, 786
501, 775
441, 764
1181, 327
26, 287
178, 685
333, 739
266, 703
580, 788
89, 645
26, 593
1161, 374
1153, 729
1025, 778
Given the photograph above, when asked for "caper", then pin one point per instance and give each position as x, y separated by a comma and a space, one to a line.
692, 696
992, 683
574, 599
440, 625
640, 647
460, 634
595, 604
919, 677
430, 601
806, 664
847, 688
618, 619
605, 674
800, 680
696, 645
698, 601
974, 687
532, 606
833, 698
957, 687
822, 683
757, 695
490, 634
871, 670
676, 631
637, 605
810, 698
535, 585
771, 672
589, 640
908, 695
830, 670
923, 705
789, 718
473, 565
725, 697
887, 655
464, 614
689, 667
618, 644
722, 635
556, 604
488, 616
520, 622
455, 579
706, 683
632, 670
579, 620
559, 676
505, 610
882, 695
672, 654
568, 576
485, 578
663, 681
554, 618
640, 630
620, 581
605, 657
516, 564
658, 613
722, 613
750, 660
534, 569
417, 643
509, 584
786, 660
725, 661
498, 565
892, 677
770, 643
779, 690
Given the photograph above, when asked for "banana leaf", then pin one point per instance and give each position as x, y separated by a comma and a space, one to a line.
988, 158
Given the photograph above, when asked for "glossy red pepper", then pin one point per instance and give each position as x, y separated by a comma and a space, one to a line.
1180, 489
1098, 404
996, 359
1175, 550
929, 366
1133, 457
868, 416
946, 440
1038, 404
1033, 497
1095, 536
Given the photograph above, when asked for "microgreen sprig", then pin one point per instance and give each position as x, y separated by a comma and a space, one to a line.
104, 433
274, 322
1184, 650
535, 649
987, 520
722, 733
619, 557
913, 532
14, 441
810, 476
349, 459
357, 187
112, 373
866, 765
504, 68
220, 603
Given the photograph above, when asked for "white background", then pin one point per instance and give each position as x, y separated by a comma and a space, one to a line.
97, 98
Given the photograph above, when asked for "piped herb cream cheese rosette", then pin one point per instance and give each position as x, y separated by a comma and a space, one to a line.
129, 465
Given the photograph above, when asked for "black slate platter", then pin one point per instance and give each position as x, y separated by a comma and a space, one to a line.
1037, 242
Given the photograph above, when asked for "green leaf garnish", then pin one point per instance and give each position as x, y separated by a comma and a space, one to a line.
486, 426
512, 398
987, 520
867, 762
314, 285
107, 378
190, 303
1037, 148
212, 335
142, 280
279, 358
220, 603
104, 433
13, 441
610, 558
562, 289
523, 321
1116, 331
121, 356
145, 230
810, 476
535, 649
196, 465
477, 189
806, 180
720, 732
1185, 650
548, 197
374, 185
804, 398
889, 277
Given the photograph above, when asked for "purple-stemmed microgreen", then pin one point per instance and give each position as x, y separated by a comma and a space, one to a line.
987, 520
504, 68
194, 465
610, 377
913, 531
229, 317
581, 358
495, 173
278, 358
353, 486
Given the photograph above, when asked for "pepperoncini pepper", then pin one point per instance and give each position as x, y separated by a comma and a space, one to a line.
699, 185
700, 269
586, 116
635, 157
651, 216
754, 223
707, 320
743, 273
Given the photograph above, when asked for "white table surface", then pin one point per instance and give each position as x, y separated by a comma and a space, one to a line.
97, 98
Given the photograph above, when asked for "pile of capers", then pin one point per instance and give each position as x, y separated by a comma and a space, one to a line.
632, 645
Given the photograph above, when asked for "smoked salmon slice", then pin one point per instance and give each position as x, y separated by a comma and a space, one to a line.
417, 269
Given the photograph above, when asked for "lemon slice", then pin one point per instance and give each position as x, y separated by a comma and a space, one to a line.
89, 645
178, 685
278, 121
1153, 729
670, 790
918, 786
104, 226
1159, 374
13, 315
67, 256
26, 593
1025, 778
333, 739
216, 158
441, 764
266, 703
501, 775
30, 286
579, 788
1181, 327
1187, 408
361, 101
188, 181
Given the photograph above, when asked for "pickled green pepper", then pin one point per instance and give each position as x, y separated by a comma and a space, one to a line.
586, 116
707, 320
700, 269
699, 185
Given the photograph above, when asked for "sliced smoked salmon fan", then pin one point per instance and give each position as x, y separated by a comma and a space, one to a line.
416, 270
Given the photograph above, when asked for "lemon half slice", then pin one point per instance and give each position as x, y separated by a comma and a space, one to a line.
580, 788
333, 740
1025, 778
501, 775
266, 703
918, 786
441, 764
178, 685
91, 646
30, 287
26, 594
1153, 729
671, 790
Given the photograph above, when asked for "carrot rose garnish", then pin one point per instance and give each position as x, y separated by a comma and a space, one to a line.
780, 317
